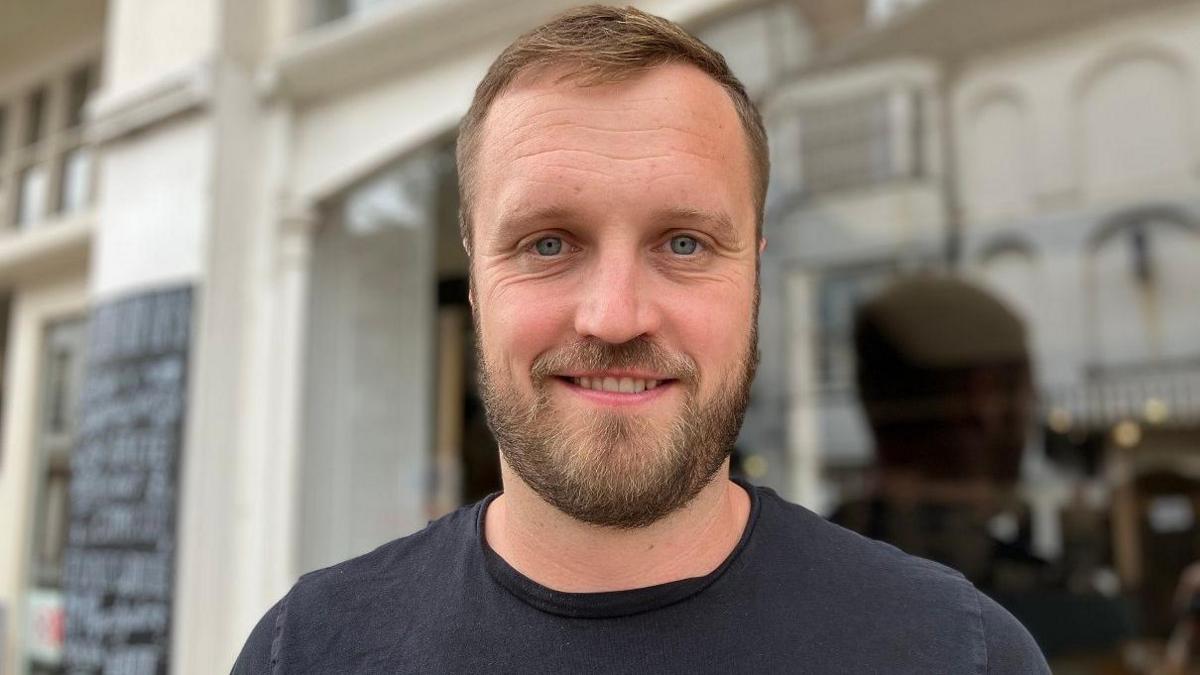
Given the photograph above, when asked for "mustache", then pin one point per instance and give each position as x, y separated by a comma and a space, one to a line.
595, 354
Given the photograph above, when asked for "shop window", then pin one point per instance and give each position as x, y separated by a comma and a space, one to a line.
841, 293
61, 377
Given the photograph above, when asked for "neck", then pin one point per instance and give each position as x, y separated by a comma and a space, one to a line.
568, 555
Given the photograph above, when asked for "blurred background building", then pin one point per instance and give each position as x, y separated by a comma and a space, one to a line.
270, 185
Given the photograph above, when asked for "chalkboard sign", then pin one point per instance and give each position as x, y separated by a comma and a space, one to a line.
119, 563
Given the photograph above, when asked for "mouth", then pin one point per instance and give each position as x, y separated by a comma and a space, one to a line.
616, 390
622, 385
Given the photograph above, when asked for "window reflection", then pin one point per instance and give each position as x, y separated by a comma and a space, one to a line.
75, 181
31, 196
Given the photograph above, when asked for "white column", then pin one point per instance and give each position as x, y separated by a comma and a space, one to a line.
803, 417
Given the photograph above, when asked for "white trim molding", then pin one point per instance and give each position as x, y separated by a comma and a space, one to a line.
117, 114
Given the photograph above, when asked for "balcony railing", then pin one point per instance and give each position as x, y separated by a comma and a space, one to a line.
859, 142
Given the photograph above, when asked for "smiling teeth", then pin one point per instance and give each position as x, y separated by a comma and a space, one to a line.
624, 385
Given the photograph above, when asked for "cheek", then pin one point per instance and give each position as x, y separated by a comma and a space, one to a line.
712, 327
523, 324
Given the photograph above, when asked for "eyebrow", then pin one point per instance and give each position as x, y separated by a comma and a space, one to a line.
527, 219
719, 222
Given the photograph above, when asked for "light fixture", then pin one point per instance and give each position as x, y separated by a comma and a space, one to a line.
1156, 410
1127, 433
1059, 420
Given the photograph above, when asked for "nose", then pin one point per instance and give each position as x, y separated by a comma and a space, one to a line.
617, 304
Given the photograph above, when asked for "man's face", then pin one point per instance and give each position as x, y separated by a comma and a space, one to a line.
615, 288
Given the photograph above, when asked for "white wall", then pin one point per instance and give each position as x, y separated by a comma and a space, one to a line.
1090, 118
343, 139
153, 38
1133, 114
154, 207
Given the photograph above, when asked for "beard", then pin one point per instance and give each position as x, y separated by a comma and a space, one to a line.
613, 468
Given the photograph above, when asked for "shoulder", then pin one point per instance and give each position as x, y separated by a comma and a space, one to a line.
261, 651
908, 604
1010, 647
394, 571
433, 550
325, 602
792, 532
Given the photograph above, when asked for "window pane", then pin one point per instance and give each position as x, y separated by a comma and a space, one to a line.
847, 144
80, 87
36, 115
60, 379
330, 10
326, 11
54, 540
31, 195
3, 129
75, 183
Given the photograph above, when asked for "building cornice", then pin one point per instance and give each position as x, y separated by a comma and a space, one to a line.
405, 36
392, 39
54, 245
116, 114
879, 76
957, 30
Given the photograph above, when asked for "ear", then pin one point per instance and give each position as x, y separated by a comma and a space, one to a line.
762, 245
470, 276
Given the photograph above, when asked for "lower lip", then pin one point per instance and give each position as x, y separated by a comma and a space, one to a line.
616, 398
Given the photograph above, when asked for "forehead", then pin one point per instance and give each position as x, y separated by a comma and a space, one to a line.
669, 137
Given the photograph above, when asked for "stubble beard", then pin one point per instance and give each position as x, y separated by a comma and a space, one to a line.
611, 468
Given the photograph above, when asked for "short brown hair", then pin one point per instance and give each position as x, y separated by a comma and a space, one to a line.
604, 44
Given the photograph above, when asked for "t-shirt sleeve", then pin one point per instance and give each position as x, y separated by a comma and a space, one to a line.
258, 654
1011, 650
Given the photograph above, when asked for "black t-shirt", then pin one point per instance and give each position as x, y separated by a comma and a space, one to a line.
798, 594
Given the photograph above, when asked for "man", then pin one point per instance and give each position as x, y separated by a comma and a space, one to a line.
613, 173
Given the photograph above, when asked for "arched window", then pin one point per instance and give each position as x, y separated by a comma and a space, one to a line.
1134, 117
1142, 275
998, 155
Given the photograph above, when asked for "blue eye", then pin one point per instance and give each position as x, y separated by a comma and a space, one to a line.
548, 246
684, 245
